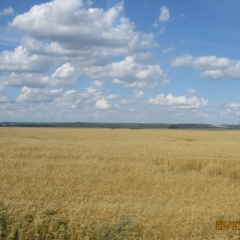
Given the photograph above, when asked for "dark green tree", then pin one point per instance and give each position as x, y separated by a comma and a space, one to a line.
173, 126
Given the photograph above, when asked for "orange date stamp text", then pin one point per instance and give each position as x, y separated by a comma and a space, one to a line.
228, 225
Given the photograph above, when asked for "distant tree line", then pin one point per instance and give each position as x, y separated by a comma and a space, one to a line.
173, 126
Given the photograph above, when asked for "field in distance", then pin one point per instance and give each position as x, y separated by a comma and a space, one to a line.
59, 183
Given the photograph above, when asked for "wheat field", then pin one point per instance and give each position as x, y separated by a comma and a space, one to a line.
59, 183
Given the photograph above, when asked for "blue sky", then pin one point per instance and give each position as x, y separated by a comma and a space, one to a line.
120, 61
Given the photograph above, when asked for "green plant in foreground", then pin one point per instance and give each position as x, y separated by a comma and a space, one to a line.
4, 220
123, 229
52, 225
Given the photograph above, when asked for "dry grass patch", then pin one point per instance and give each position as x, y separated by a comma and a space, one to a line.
121, 184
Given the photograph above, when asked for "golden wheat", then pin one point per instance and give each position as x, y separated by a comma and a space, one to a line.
118, 184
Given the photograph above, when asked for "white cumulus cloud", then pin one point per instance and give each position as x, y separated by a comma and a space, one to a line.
7, 11
74, 27
233, 105
232, 110
178, 102
22, 60
19, 79
65, 75
168, 50
102, 104
38, 94
132, 74
164, 14
214, 68
81, 43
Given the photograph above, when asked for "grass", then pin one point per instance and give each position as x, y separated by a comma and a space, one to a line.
121, 184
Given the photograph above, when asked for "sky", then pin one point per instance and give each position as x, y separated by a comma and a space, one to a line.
139, 61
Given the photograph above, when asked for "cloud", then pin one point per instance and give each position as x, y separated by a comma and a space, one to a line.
233, 106
183, 16
73, 99
230, 72
143, 57
163, 17
168, 50
89, 3
191, 91
89, 100
164, 14
102, 104
139, 94
155, 24
81, 43
185, 60
7, 11
178, 102
215, 68
38, 95
56, 98
4, 98
64, 76
74, 27
19, 79
22, 60
232, 111
203, 62
132, 74
97, 83
113, 96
